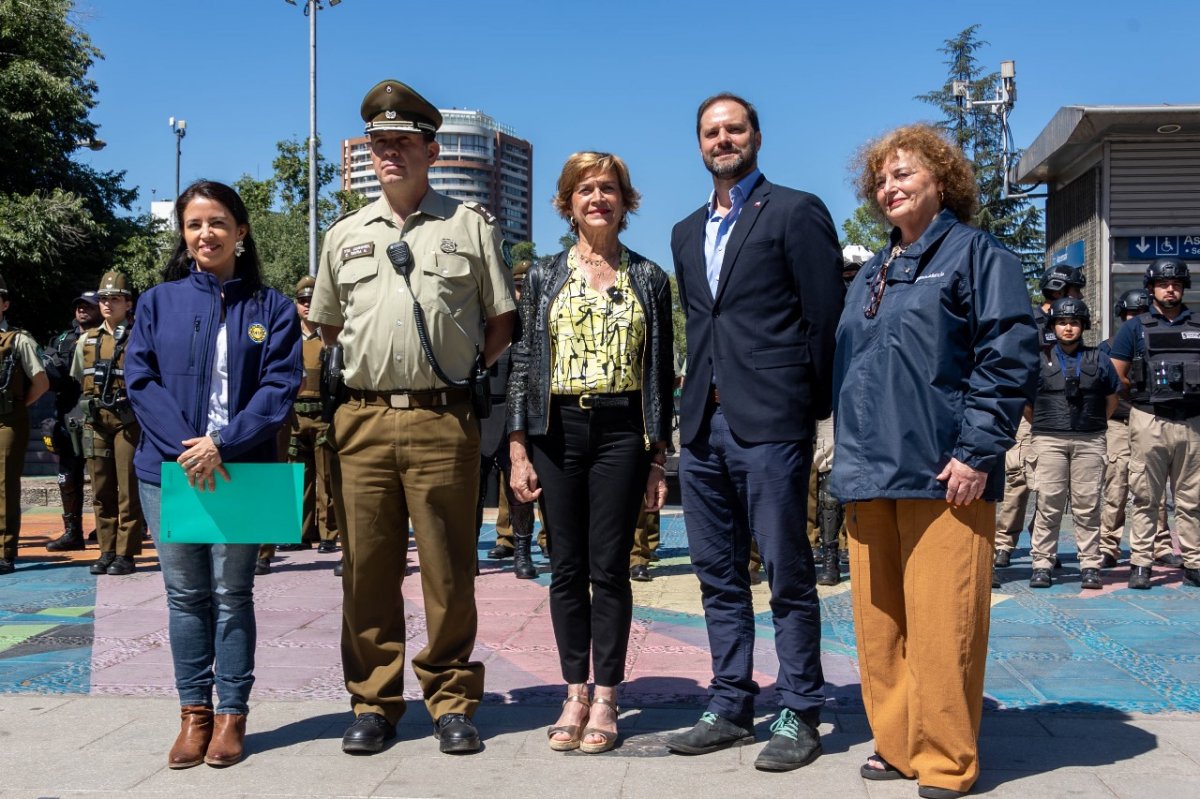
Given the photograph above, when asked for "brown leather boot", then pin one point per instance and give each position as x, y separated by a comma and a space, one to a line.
195, 732
226, 746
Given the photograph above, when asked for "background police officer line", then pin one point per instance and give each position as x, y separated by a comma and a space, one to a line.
1157, 355
1116, 473
1077, 391
407, 436
111, 432
1020, 462
22, 381
66, 427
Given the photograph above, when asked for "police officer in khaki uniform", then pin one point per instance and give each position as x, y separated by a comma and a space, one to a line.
22, 381
1157, 355
407, 438
1116, 473
110, 433
307, 441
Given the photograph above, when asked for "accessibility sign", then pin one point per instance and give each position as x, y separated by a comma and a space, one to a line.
1147, 248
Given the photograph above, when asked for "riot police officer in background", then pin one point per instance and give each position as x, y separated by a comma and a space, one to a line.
1077, 391
111, 432
66, 428
1157, 355
1056, 282
1116, 473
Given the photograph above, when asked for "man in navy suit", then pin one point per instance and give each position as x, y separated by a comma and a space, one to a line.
760, 280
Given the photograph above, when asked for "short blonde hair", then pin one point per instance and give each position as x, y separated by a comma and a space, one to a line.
579, 166
960, 192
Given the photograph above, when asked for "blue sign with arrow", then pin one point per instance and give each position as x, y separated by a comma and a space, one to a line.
1147, 248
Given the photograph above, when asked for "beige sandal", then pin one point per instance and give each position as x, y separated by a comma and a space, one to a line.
571, 730
610, 738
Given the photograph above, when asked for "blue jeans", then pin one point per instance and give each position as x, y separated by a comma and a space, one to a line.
210, 602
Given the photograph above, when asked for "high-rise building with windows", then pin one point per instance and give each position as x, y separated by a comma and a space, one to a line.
480, 160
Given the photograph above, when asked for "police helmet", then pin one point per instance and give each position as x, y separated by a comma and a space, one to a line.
1069, 307
1167, 269
1134, 300
1057, 278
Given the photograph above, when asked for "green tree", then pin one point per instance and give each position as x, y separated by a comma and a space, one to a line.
977, 130
278, 209
524, 251
864, 227
567, 240
59, 223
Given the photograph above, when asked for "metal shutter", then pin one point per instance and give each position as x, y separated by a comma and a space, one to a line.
1155, 183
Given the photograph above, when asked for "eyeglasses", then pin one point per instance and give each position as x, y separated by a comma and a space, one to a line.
879, 283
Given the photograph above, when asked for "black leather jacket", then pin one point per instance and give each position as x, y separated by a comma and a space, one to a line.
529, 383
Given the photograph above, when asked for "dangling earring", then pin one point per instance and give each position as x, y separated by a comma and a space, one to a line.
239, 249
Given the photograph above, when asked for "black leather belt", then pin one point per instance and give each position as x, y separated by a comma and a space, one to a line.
1175, 414
405, 400
599, 402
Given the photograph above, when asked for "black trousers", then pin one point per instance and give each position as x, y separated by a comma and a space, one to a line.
592, 466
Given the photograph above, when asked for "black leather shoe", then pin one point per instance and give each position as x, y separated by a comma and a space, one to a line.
1057, 567
640, 573
795, 743
327, 547
294, 547
933, 792
1192, 577
102, 563
367, 735
7, 566
712, 732
1108, 561
67, 542
755, 577
1002, 558
1090, 579
995, 579
337, 570
500, 552
122, 565
1170, 560
456, 733
263, 566
1041, 579
1139, 577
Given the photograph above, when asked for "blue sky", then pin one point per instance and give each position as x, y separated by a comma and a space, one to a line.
620, 76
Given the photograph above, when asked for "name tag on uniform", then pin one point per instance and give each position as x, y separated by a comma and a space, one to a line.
358, 251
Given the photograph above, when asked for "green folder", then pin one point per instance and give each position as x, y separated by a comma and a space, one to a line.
262, 503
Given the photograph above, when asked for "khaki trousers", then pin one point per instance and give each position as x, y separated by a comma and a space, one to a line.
1069, 465
1019, 467
1116, 495
645, 538
320, 519
1159, 449
116, 501
14, 440
395, 465
921, 571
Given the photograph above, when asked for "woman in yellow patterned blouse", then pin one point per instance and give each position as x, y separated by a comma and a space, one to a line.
589, 405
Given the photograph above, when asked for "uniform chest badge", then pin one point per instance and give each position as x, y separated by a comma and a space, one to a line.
358, 251
257, 333
449, 246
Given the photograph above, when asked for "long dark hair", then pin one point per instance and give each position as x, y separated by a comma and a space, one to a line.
246, 267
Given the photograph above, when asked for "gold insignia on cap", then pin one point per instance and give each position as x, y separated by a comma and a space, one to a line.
257, 333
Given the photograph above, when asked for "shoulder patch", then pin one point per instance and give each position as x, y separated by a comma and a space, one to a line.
479, 209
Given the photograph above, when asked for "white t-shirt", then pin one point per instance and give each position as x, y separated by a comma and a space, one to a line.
218, 397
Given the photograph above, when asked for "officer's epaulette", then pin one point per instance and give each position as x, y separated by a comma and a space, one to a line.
482, 211
340, 218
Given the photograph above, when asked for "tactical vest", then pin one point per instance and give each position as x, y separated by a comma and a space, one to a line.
14, 383
1078, 410
1168, 369
104, 368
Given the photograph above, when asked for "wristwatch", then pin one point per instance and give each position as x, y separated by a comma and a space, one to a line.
216, 438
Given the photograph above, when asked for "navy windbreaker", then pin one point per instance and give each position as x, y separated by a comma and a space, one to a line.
943, 370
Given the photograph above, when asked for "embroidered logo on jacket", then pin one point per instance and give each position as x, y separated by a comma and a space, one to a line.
257, 333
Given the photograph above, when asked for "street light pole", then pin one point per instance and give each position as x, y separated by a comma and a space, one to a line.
179, 128
313, 5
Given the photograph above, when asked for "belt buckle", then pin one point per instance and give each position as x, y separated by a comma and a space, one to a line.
401, 402
585, 401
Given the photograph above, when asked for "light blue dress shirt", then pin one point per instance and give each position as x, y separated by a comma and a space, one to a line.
718, 228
